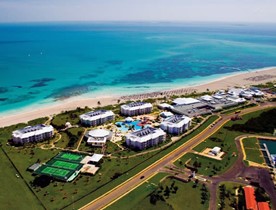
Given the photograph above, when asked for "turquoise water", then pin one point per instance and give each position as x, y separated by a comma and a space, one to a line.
45, 62
124, 126
271, 145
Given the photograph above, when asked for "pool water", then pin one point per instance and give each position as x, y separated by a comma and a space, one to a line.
124, 126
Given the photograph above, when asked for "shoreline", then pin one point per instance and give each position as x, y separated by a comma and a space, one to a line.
252, 77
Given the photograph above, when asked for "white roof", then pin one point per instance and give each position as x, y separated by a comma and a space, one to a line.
207, 98
166, 114
129, 119
217, 96
96, 157
91, 116
165, 105
99, 133
32, 131
236, 99
185, 101
235, 91
216, 149
136, 106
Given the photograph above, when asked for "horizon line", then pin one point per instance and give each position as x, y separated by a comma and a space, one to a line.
135, 21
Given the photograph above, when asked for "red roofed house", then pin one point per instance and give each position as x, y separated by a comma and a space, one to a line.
250, 198
263, 206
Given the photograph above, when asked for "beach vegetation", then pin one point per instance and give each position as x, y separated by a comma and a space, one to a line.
72, 116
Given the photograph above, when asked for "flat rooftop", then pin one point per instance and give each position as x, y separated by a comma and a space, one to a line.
144, 132
95, 113
29, 129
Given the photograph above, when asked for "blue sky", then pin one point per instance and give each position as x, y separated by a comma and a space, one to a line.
140, 10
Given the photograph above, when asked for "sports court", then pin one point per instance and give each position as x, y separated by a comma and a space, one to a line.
55, 171
64, 166
74, 157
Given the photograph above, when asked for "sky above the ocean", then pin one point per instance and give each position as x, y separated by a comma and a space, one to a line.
138, 10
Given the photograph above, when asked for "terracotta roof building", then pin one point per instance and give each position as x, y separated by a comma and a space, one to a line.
263, 206
250, 199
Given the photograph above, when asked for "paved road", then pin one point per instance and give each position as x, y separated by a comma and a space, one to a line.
237, 174
135, 181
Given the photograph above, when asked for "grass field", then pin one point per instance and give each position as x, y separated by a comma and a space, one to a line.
134, 198
14, 192
252, 150
185, 197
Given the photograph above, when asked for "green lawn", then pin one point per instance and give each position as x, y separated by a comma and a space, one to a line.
181, 196
134, 198
252, 150
251, 143
14, 192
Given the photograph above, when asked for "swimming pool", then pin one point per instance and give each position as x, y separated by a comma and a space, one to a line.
125, 126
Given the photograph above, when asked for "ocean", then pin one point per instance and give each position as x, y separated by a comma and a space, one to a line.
41, 63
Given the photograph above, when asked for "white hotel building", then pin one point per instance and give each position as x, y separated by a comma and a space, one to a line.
136, 108
32, 134
176, 124
145, 138
95, 118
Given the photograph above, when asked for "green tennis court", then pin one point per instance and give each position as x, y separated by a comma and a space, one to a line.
55, 171
71, 156
66, 165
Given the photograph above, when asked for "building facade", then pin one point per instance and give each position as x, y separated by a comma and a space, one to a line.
176, 124
136, 108
32, 134
98, 137
98, 117
145, 138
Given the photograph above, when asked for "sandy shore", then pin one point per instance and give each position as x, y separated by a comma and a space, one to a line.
243, 79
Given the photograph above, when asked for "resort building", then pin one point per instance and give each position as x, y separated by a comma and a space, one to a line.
31, 134
136, 108
145, 138
98, 137
176, 124
185, 101
95, 118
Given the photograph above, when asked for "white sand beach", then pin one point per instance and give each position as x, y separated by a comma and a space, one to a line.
242, 79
